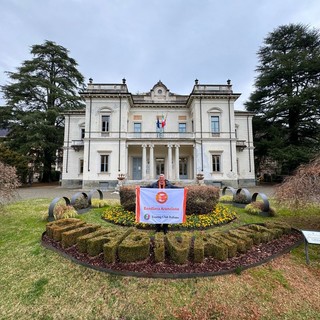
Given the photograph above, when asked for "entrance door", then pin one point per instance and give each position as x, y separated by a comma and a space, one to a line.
136, 168
159, 166
183, 168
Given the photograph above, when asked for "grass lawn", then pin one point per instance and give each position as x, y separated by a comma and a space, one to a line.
36, 283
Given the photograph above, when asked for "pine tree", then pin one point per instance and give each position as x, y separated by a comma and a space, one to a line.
287, 96
39, 91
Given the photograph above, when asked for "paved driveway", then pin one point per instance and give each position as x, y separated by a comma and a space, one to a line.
54, 191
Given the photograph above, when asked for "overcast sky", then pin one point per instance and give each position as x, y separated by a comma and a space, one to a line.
175, 41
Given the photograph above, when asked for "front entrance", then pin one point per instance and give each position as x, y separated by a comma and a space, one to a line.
183, 168
136, 168
159, 166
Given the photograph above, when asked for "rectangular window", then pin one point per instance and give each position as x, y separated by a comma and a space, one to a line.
216, 160
82, 133
182, 127
81, 166
105, 123
104, 163
215, 126
137, 127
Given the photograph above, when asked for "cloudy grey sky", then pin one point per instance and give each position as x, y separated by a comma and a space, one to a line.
175, 41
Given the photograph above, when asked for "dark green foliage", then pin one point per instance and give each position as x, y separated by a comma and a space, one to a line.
16, 160
39, 91
286, 100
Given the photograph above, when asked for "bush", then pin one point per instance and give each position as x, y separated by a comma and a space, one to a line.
241, 198
202, 199
81, 203
9, 182
128, 198
255, 208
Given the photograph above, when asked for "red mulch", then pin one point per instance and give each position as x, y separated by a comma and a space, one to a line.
258, 254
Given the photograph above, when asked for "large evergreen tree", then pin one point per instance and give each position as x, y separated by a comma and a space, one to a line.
287, 96
39, 91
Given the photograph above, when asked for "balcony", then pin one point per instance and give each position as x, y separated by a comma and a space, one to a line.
77, 145
241, 144
157, 135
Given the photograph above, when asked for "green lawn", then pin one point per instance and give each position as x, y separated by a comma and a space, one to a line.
36, 283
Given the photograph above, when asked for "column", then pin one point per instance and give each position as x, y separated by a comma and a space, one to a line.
151, 159
195, 162
169, 161
177, 161
144, 162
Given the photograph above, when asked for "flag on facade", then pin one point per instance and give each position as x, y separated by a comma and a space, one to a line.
163, 122
158, 123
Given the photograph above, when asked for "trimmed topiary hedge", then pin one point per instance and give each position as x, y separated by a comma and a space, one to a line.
131, 245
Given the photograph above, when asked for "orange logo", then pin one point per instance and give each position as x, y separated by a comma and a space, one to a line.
161, 197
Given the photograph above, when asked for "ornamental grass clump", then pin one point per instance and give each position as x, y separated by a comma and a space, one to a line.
241, 198
226, 198
63, 211
81, 203
257, 207
98, 203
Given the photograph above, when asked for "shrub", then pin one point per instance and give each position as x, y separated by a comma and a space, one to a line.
81, 203
9, 182
128, 198
201, 199
255, 208
241, 198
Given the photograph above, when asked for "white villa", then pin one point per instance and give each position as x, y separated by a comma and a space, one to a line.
140, 136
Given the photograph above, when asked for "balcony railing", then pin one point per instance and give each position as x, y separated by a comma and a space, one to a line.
211, 88
77, 145
241, 144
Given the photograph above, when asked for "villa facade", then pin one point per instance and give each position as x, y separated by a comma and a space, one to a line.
139, 136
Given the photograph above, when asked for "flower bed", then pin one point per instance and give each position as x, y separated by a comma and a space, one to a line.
221, 215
